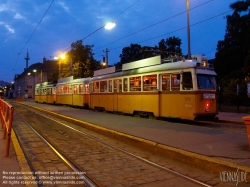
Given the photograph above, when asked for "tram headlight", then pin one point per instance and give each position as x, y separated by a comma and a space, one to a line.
207, 107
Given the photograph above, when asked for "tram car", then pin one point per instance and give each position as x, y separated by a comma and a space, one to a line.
41, 92
73, 92
151, 87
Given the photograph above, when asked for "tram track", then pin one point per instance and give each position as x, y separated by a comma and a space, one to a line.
65, 137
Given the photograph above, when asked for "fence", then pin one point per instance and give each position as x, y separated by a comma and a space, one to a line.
6, 115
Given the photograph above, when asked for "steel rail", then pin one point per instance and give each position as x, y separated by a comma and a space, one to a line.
81, 174
131, 154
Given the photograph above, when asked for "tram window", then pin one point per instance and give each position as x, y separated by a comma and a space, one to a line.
70, 89
125, 85
86, 88
206, 81
187, 83
49, 91
96, 86
149, 83
135, 83
80, 88
75, 89
103, 86
175, 82
110, 85
166, 83
118, 85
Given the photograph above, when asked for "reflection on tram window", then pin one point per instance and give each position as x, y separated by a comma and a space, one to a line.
103, 86
135, 83
150, 83
187, 83
166, 83
96, 86
206, 81
175, 82
125, 85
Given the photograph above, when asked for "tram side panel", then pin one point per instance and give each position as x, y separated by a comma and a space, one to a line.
170, 104
81, 100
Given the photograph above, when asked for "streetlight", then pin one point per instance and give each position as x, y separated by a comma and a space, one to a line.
34, 82
110, 25
188, 28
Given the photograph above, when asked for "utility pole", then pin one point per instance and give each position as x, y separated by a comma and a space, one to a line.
188, 28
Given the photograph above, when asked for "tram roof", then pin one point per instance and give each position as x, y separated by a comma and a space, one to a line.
156, 68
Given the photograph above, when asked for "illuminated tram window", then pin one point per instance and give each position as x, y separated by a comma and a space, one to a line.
75, 89
96, 86
86, 88
110, 85
103, 86
135, 83
149, 83
175, 82
125, 85
166, 83
118, 85
69, 89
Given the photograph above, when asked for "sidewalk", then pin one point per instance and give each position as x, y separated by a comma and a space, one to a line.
232, 117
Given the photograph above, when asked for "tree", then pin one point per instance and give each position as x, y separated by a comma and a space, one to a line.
232, 57
165, 48
131, 53
171, 45
82, 59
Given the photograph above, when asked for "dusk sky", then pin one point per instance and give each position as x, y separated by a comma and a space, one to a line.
47, 28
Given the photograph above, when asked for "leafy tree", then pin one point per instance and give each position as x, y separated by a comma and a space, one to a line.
170, 46
82, 59
166, 48
232, 62
131, 53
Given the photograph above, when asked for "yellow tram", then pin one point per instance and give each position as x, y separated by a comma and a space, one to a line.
73, 92
151, 87
41, 92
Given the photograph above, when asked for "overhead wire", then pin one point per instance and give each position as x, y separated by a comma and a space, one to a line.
153, 25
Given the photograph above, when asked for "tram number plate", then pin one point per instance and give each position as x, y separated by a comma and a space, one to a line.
208, 96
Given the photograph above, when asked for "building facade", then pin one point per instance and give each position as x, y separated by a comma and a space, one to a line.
24, 83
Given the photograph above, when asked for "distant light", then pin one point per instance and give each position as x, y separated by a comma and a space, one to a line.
34, 70
29, 73
56, 58
109, 25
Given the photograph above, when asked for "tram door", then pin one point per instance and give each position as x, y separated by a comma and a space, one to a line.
116, 83
117, 89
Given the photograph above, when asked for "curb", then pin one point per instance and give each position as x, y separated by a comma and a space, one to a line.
194, 159
22, 162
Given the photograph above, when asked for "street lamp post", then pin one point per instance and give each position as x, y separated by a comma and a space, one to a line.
188, 28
